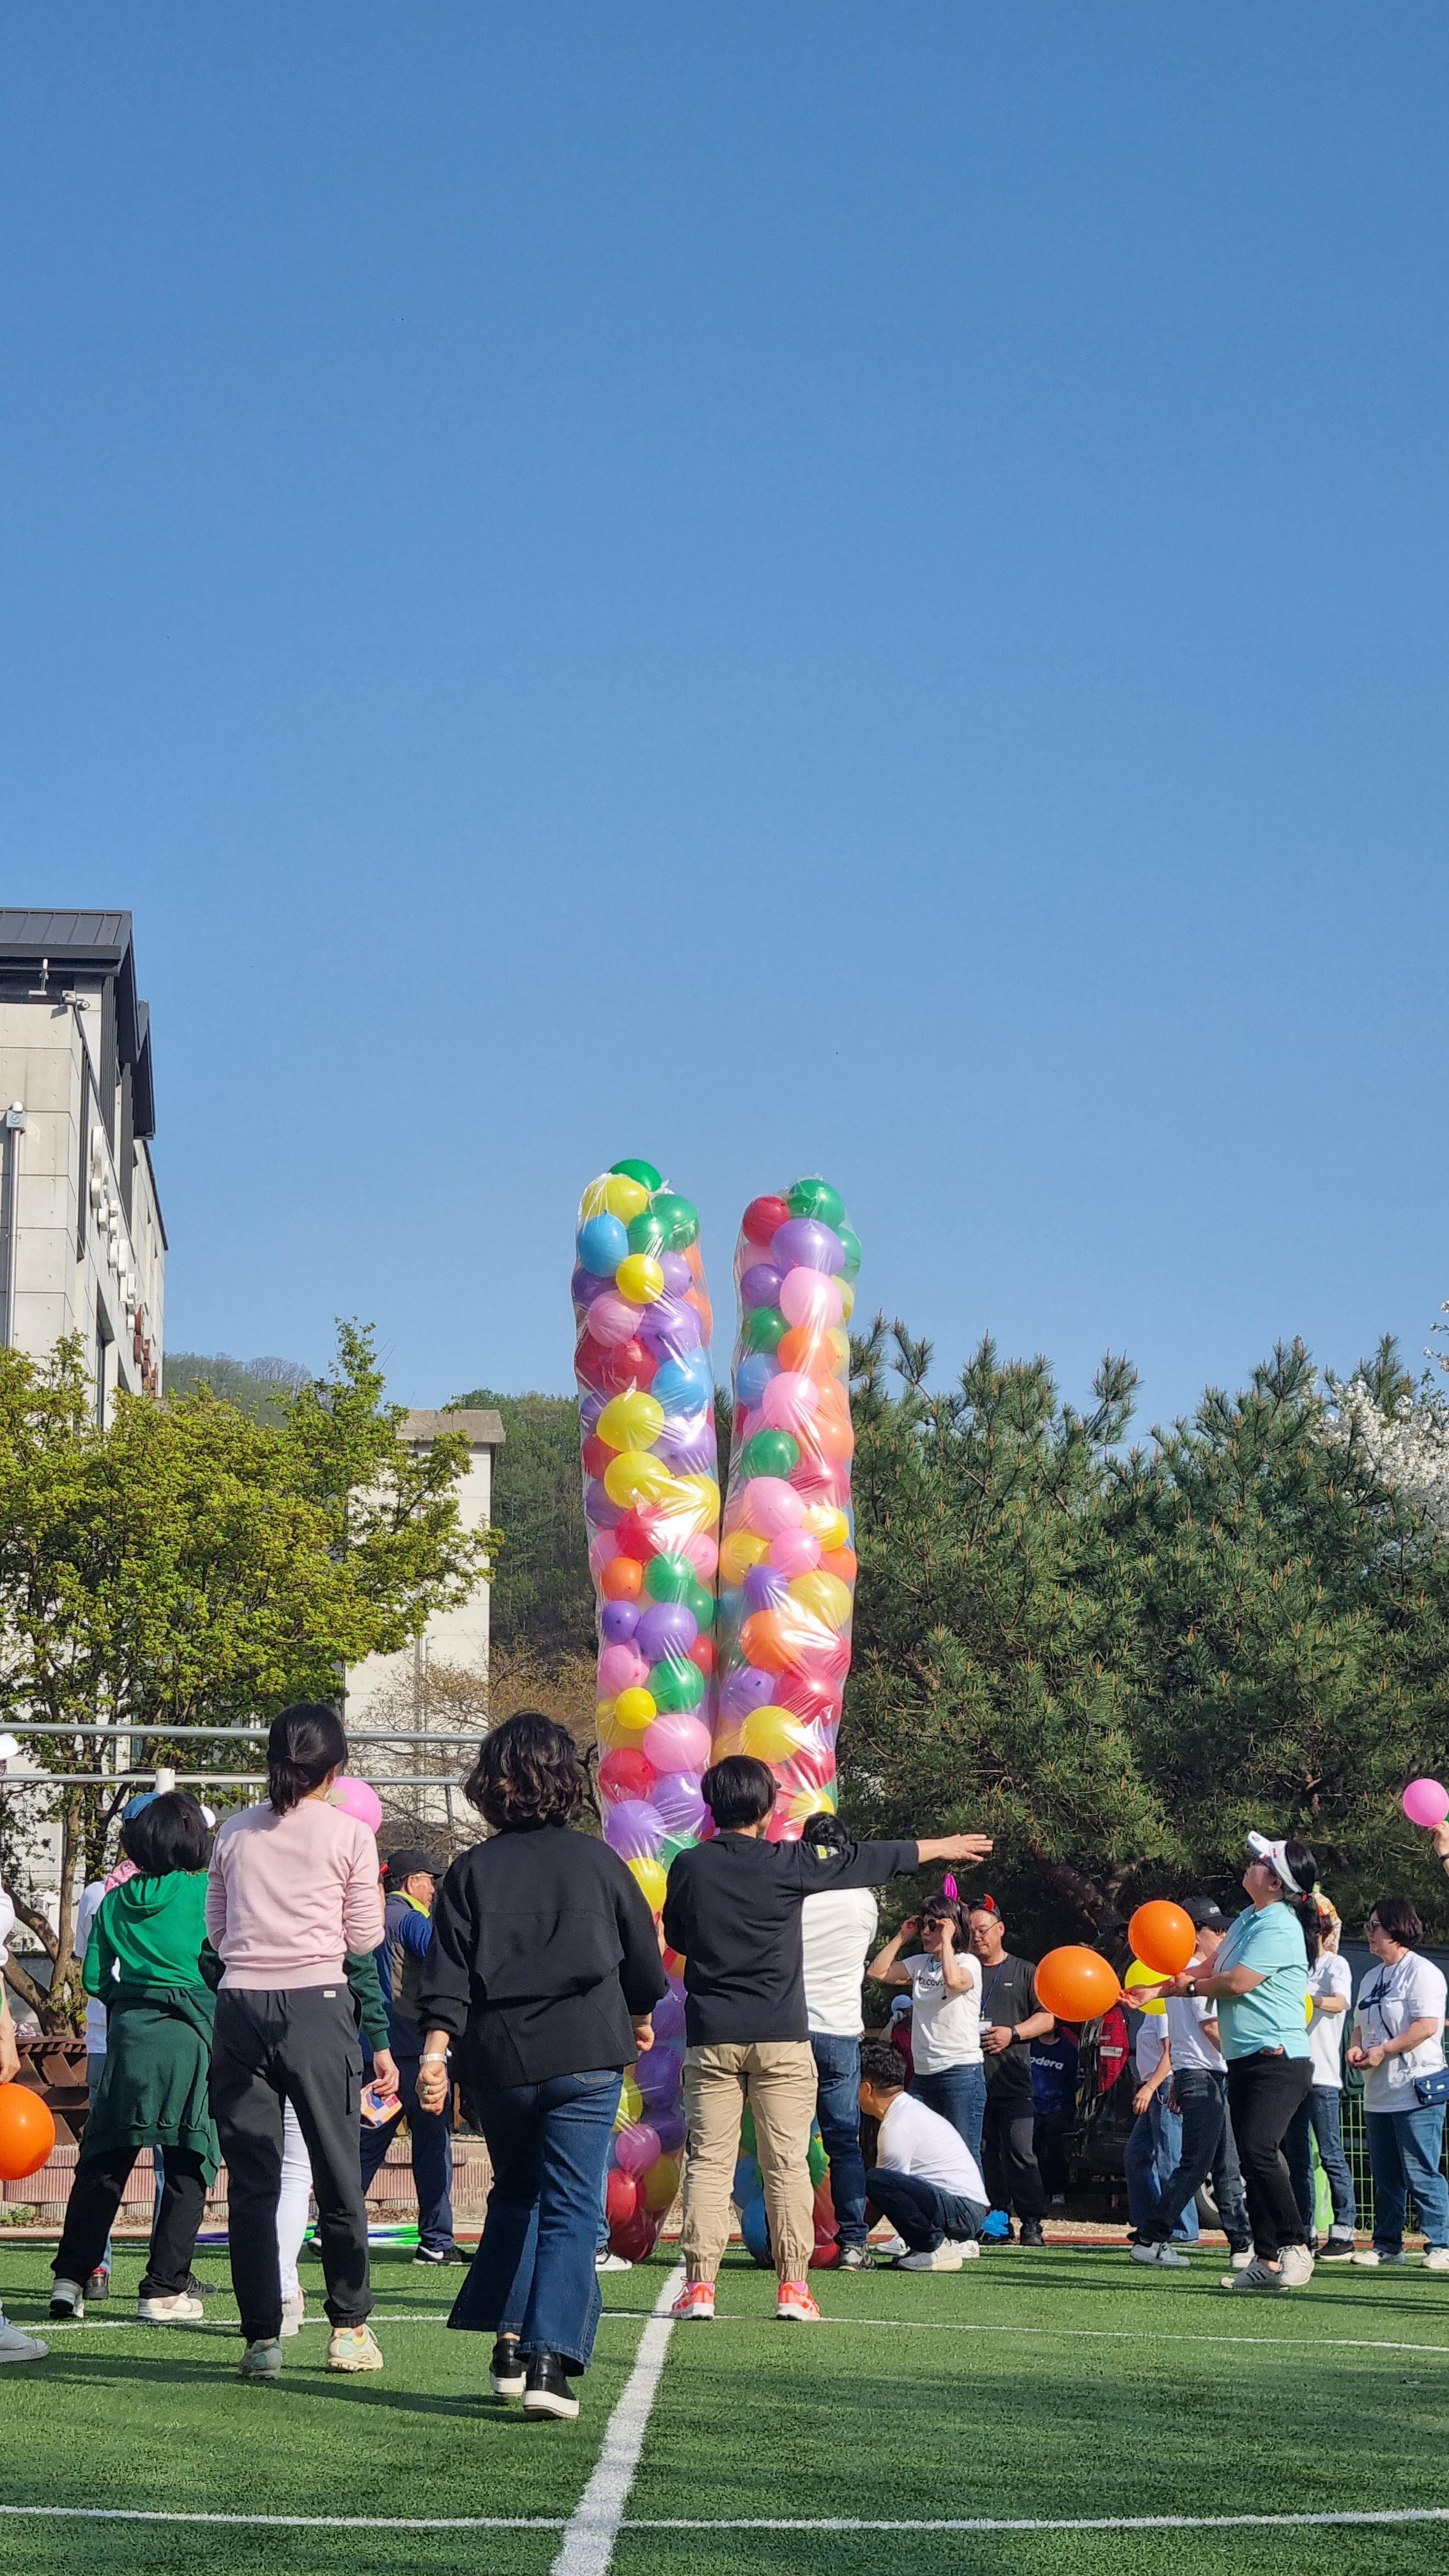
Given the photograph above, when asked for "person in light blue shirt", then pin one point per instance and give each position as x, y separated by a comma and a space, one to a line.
1259, 1985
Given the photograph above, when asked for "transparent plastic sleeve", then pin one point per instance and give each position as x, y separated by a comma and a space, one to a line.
652, 1503
787, 1552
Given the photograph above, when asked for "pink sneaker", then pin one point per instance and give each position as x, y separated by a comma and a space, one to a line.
795, 2306
695, 2304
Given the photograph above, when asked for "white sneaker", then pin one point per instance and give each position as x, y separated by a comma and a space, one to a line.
294, 2313
890, 2248
941, 2258
612, 2263
1242, 2258
1374, 2260
67, 2300
1436, 2258
177, 2308
1255, 2276
1165, 2257
1297, 2266
15, 2346
967, 2247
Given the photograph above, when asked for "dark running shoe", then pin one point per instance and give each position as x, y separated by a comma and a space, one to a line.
432, 2258
1031, 2232
547, 2391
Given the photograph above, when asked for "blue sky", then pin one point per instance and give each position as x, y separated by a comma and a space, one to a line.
772, 588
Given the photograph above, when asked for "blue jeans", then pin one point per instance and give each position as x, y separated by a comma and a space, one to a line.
1405, 2148
431, 2133
1207, 2149
959, 2094
1154, 2146
921, 2212
837, 2106
533, 2274
1320, 2117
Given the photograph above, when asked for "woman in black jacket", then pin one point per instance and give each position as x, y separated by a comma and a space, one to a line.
545, 1966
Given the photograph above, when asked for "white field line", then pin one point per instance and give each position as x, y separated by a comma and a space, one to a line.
1350, 2518
593, 2526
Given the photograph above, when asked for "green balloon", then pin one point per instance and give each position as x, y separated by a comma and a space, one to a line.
851, 1242
747, 2132
676, 1686
669, 1578
648, 1233
671, 1847
769, 1453
816, 1198
643, 1173
702, 1604
679, 1218
765, 1329
818, 2161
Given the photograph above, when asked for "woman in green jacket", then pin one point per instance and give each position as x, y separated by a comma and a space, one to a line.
147, 1961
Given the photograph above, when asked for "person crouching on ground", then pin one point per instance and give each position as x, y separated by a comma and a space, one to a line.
733, 1909
144, 1959
545, 1969
925, 2179
1200, 2089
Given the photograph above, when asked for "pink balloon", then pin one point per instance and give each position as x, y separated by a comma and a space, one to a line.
811, 1297
768, 1505
355, 1798
603, 1547
635, 2149
703, 1555
788, 1401
621, 1668
795, 1551
1426, 1802
677, 1742
612, 1320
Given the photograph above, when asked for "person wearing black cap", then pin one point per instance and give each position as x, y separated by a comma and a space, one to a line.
410, 1879
1200, 2095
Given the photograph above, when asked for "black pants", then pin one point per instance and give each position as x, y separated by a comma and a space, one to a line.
1008, 2154
298, 2046
91, 2214
1264, 2091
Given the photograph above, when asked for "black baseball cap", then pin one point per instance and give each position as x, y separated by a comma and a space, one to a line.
1205, 1914
408, 1863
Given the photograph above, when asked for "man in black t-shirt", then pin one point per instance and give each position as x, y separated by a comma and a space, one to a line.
1010, 2020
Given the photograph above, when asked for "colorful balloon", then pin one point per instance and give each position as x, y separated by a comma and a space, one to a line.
1076, 1984
1426, 1802
356, 1798
1162, 1937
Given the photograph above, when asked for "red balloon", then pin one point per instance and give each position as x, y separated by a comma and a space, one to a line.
626, 1366
636, 2238
621, 2197
702, 1655
826, 2254
632, 1539
27, 2133
597, 1455
626, 1774
764, 1218
806, 1695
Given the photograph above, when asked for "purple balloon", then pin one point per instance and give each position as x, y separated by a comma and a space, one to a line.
667, 2122
590, 1408
746, 1689
806, 1244
764, 1588
586, 1287
618, 1622
666, 1631
760, 1285
658, 2070
688, 1448
676, 1795
668, 2018
677, 1273
600, 1507
672, 1327
634, 1829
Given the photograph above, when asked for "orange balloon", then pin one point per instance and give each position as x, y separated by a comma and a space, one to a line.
1076, 1984
840, 1561
1162, 1937
622, 1579
27, 2133
768, 1642
807, 1351
830, 1439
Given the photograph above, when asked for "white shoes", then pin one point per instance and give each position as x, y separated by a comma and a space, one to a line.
612, 2263
293, 2315
1371, 2260
968, 2247
1255, 2276
941, 2258
67, 2301
1296, 2264
15, 2346
177, 2309
1436, 2258
889, 2249
1166, 2258
1242, 2258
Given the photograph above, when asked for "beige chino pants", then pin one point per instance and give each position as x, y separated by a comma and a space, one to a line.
777, 2078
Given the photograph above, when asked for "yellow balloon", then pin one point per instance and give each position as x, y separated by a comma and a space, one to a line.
838, 1345
652, 1882
728, 1740
1139, 1976
772, 1734
739, 1552
606, 1725
823, 1522
661, 2184
631, 1421
847, 1298
824, 1596
634, 1710
811, 1802
614, 1194
1307, 2009
705, 1498
639, 1278
631, 2103
635, 1477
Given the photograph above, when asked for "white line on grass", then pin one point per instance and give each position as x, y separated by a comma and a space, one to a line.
593, 2526
1354, 2518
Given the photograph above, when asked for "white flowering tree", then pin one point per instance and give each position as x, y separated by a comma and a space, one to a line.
1399, 1429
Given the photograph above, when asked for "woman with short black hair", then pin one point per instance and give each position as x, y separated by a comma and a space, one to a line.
1398, 2045
543, 1971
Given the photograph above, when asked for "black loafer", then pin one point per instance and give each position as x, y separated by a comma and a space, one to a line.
547, 2391
506, 2372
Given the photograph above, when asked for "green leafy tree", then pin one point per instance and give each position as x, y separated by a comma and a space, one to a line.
189, 1565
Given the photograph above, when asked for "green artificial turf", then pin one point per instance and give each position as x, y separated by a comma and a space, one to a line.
1054, 2384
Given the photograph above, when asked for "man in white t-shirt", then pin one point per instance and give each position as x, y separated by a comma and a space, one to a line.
1398, 2039
925, 2178
1330, 1994
838, 1929
1200, 2094
14, 2346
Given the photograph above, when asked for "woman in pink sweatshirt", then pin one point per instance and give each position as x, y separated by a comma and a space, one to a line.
293, 1888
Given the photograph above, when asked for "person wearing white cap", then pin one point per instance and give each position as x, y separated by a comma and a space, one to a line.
1259, 1982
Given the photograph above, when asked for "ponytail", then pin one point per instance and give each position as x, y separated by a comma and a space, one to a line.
1304, 1903
303, 1745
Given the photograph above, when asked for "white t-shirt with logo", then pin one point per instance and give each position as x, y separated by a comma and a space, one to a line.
1191, 2046
1388, 2000
945, 2026
838, 1928
915, 2140
1329, 1975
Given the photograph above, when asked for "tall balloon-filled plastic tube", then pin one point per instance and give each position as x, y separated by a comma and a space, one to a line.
787, 1554
652, 1502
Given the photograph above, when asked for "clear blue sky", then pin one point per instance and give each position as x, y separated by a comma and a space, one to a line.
770, 587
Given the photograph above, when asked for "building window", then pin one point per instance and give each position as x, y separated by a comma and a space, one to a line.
103, 1345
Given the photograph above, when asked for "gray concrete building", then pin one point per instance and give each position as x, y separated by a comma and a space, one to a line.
82, 1244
